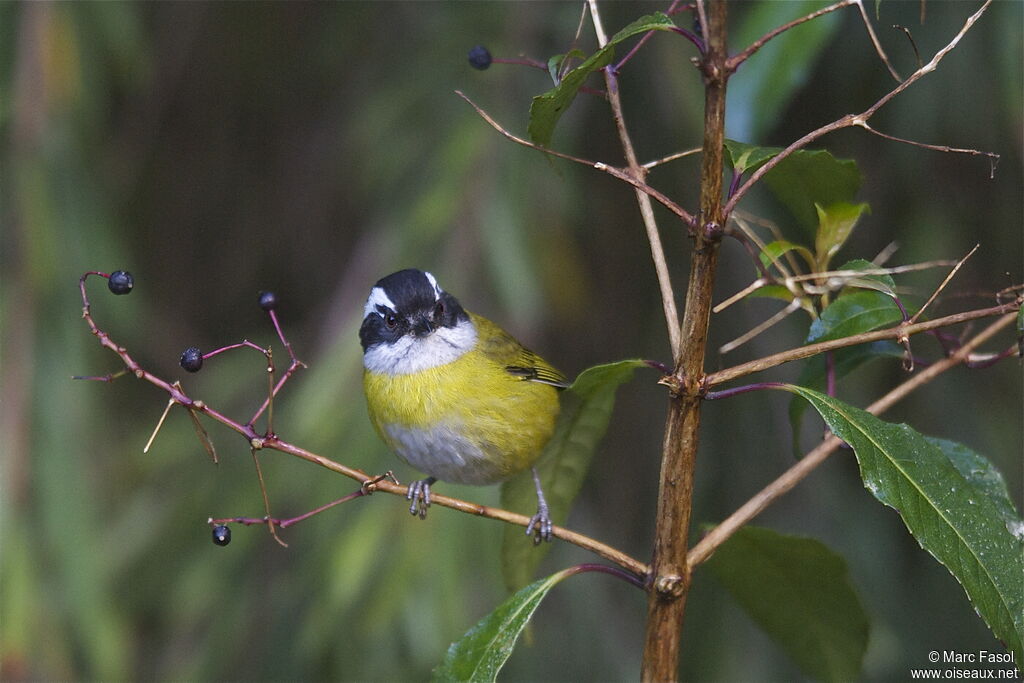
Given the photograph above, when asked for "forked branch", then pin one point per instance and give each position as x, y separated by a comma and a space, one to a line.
753, 507
861, 119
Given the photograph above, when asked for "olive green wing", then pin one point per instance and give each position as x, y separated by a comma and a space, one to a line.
518, 360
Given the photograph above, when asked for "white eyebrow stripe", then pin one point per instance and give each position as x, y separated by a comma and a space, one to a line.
433, 283
378, 297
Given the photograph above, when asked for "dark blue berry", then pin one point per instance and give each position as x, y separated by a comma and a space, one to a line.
221, 534
479, 58
192, 359
120, 282
268, 301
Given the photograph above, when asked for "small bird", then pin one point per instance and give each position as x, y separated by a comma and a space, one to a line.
453, 394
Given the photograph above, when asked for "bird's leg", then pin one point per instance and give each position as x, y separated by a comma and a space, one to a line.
419, 494
540, 524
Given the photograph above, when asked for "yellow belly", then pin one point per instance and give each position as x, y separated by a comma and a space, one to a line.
469, 421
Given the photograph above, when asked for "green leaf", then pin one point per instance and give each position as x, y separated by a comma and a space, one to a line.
773, 292
835, 223
881, 282
809, 177
548, 108
555, 63
799, 592
845, 361
982, 474
773, 251
952, 517
853, 313
484, 649
746, 158
586, 408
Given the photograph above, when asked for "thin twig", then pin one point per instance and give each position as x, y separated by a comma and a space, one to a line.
913, 44
671, 157
993, 157
874, 41
668, 297
613, 171
285, 523
944, 283
702, 16
204, 437
852, 119
753, 507
781, 315
900, 331
159, 424
742, 294
266, 498
734, 62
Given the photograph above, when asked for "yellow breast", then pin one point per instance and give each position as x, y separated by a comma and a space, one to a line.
468, 421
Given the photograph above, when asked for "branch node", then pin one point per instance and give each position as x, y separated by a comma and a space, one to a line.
713, 231
370, 485
670, 586
675, 384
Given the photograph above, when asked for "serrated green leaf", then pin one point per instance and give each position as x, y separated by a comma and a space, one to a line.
835, 224
953, 518
809, 177
479, 655
799, 592
854, 313
746, 158
844, 362
548, 108
586, 408
773, 251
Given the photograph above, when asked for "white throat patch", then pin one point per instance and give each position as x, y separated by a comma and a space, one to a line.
411, 354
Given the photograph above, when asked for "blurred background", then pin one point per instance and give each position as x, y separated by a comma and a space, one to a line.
216, 150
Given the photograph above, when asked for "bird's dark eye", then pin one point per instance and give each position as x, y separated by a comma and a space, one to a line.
390, 321
438, 310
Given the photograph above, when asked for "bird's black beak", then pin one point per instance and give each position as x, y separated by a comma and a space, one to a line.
422, 326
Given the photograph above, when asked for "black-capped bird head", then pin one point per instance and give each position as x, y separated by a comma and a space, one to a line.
411, 324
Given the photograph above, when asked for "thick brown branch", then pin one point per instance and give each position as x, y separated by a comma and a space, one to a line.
669, 570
